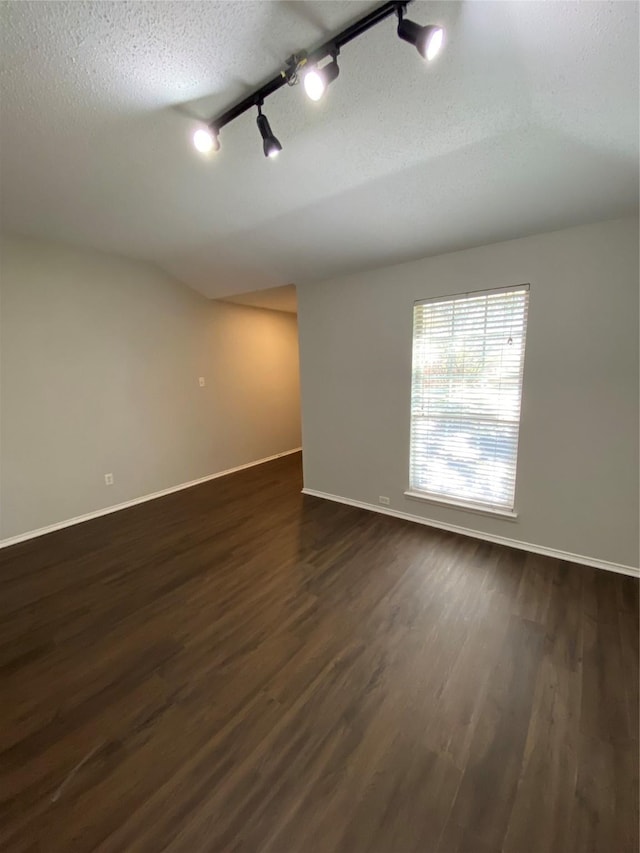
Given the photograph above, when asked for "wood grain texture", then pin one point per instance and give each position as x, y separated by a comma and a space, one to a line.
238, 667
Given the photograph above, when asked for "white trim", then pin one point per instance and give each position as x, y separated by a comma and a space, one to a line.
477, 534
59, 525
469, 507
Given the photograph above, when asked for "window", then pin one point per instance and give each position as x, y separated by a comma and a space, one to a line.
468, 358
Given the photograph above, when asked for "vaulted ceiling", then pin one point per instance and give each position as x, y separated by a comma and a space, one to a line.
527, 122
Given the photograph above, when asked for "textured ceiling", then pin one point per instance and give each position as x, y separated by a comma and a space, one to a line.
527, 122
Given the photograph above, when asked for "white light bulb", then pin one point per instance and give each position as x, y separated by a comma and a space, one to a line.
274, 152
314, 85
203, 141
434, 44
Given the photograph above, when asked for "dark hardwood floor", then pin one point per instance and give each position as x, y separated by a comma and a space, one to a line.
238, 667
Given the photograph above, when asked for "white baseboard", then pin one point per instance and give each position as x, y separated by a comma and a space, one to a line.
59, 525
477, 534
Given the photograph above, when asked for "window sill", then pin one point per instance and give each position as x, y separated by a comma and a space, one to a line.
508, 514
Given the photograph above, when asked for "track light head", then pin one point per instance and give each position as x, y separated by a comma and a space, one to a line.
316, 80
427, 40
205, 140
270, 145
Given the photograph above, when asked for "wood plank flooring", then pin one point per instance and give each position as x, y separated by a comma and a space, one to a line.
241, 668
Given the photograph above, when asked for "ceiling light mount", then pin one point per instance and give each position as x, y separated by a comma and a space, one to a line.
316, 77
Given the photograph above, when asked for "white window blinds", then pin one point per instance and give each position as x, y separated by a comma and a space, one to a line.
468, 358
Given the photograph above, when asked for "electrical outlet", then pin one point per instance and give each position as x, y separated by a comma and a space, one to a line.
108, 479
201, 381
384, 500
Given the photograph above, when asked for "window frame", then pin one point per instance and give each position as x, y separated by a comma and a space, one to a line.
510, 514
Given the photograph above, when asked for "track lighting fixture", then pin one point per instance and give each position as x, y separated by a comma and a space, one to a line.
270, 144
428, 41
316, 80
205, 140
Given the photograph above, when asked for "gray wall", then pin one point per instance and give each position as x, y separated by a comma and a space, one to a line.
100, 365
577, 488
